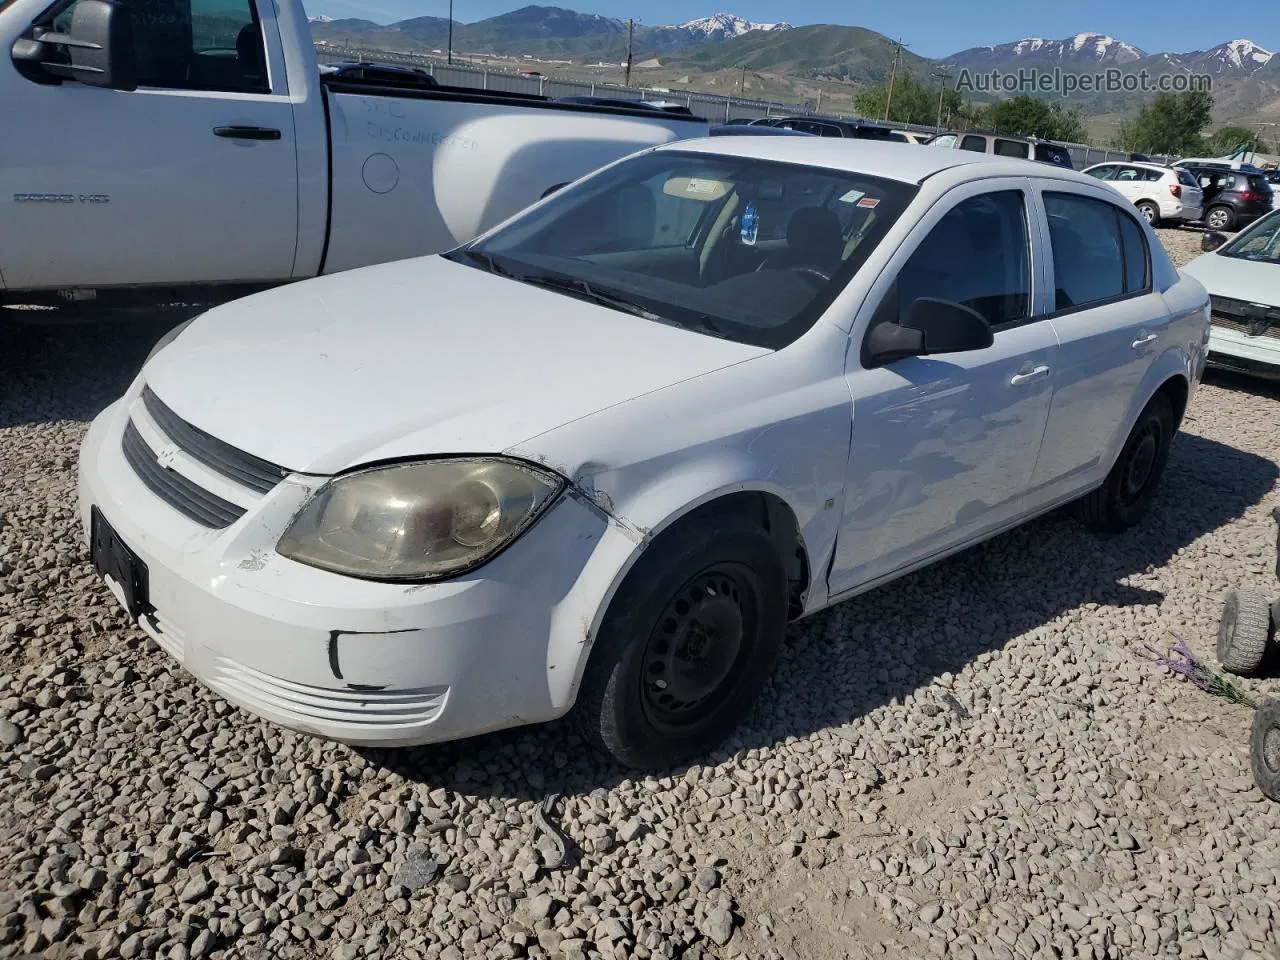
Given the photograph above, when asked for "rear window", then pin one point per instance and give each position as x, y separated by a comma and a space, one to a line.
1186, 179
1012, 148
1259, 183
1051, 154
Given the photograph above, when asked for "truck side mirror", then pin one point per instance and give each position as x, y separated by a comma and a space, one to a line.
99, 47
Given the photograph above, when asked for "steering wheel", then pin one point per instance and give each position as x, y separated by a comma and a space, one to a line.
813, 273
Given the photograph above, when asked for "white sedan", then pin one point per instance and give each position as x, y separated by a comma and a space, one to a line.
1242, 276
598, 458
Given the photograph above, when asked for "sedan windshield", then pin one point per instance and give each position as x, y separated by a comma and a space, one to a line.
1261, 242
745, 249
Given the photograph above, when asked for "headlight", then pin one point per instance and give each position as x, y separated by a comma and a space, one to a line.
167, 339
418, 521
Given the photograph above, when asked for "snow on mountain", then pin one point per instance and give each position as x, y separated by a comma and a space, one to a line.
722, 26
1241, 55
1083, 48
320, 19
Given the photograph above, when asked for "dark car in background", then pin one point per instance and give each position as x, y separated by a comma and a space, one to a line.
829, 127
732, 129
1232, 198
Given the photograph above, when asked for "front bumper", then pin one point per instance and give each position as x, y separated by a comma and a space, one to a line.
1231, 349
360, 662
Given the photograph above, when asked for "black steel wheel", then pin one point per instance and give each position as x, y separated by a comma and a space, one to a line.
1131, 485
687, 644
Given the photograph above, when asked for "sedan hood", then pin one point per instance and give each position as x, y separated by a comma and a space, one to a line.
1238, 279
414, 358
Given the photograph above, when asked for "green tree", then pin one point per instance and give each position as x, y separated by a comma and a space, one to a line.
1028, 117
913, 101
1170, 124
1226, 139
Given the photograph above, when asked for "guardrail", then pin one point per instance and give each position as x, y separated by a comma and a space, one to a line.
714, 107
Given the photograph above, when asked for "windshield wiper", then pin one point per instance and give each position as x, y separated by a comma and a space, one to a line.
485, 260
577, 287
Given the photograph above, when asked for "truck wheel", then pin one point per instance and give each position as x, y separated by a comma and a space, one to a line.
1220, 218
1129, 488
1264, 748
1244, 631
687, 644
1150, 212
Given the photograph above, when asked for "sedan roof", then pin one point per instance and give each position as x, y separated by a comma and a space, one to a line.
887, 159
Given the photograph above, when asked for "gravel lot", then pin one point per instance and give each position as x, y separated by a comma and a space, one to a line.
973, 762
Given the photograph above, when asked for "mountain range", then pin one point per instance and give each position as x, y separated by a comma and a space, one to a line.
1246, 76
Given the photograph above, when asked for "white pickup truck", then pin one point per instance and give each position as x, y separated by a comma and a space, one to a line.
198, 143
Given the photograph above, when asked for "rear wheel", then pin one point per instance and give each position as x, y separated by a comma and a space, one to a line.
1220, 218
1150, 212
1131, 485
686, 645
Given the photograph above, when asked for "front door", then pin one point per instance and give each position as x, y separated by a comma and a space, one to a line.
1104, 310
943, 446
164, 184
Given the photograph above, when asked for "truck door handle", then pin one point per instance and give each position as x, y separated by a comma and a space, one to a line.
1144, 340
1035, 373
247, 133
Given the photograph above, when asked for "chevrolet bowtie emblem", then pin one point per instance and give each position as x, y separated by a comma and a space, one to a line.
167, 457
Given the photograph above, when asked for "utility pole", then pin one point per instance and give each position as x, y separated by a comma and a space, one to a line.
893, 73
942, 78
819, 100
631, 24
451, 31
742, 84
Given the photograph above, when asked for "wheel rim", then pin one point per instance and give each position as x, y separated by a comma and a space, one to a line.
700, 639
1142, 460
1148, 214
1218, 219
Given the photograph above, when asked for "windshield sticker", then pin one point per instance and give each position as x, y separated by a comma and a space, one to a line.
868, 202
702, 186
852, 195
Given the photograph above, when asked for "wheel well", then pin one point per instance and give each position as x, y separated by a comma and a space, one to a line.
777, 519
1175, 388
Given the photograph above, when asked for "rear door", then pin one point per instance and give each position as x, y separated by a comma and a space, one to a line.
1192, 195
1129, 181
190, 178
1111, 325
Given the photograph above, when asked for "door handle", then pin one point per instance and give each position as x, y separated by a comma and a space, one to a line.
1144, 340
247, 133
1018, 379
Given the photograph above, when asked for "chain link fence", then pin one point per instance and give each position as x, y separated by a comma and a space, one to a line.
715, 108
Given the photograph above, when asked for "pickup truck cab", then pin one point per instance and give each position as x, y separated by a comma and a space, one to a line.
178, 143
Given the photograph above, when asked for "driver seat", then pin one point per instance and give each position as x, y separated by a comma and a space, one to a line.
814, 239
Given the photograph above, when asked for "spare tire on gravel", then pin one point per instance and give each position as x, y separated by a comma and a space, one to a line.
1264, 748
1244, 631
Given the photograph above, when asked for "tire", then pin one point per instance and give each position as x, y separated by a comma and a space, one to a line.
1220, 218
1264, 748
1125, 495
686, 645
1150, 212
1243, 632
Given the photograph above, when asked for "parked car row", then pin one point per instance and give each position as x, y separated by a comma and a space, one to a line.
1188, 191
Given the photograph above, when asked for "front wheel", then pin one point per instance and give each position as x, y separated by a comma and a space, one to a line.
687, 644
1131, 485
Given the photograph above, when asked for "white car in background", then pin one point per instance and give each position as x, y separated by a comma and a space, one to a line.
1242, 276
598, 458
1159, 193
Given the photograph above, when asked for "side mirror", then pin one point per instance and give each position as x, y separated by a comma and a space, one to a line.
100, 50
1212, 241
931, 326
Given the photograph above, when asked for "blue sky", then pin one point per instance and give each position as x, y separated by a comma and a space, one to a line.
932, 28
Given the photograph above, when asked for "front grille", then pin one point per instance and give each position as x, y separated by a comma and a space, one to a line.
244, 468
175, 489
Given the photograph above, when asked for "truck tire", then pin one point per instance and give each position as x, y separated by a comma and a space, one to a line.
1264, 748
1243, 631
1131, 485
687, 643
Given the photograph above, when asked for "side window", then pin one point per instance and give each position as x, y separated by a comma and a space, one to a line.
978, 254
1152, 176
946, 140
1102, 173
1099, 252
1012, 148
1137, 259
195, 44
1128, 175
975, 144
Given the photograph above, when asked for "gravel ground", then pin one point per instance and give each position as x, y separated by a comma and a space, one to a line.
974, 762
